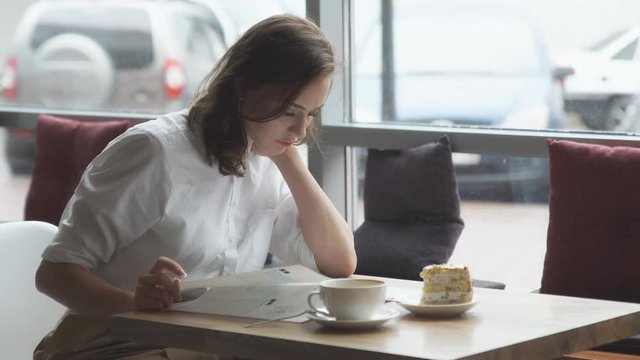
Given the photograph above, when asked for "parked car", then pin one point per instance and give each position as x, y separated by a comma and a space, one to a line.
142, 55
471, 65
604, 88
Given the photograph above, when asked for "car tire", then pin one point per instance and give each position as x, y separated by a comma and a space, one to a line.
620, 115
73, 71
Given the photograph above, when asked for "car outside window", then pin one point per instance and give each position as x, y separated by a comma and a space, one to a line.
125, 34
144, 56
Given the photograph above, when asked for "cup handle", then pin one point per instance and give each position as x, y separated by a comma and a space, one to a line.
313, 307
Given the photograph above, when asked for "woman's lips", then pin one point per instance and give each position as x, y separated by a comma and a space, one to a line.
285, 143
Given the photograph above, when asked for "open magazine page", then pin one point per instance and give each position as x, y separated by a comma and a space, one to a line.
271, 293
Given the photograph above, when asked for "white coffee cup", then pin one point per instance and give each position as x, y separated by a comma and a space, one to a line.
349, 299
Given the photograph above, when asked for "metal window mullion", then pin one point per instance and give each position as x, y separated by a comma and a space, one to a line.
329, 163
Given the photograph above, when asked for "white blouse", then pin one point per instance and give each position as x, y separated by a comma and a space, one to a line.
151, 193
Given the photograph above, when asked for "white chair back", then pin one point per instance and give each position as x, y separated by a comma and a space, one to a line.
26, 315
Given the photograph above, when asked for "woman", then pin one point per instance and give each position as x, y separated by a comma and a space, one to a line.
204, 192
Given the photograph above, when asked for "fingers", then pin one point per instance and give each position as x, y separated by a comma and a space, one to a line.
156, 291
177, 295
164, 263
171, 285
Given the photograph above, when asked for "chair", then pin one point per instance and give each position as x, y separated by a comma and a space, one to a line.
26, 314
593, 238
412, 212
64, 148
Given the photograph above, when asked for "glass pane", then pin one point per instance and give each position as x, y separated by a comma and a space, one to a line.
504, 204
116, 56
497, 64
120, 55
14, 185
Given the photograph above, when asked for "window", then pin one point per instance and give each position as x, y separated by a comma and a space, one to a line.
111, 59
497, 85
498, 78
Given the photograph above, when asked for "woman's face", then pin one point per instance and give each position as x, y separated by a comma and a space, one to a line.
273, 137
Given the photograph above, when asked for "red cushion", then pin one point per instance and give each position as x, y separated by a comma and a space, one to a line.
593, 242
64, 148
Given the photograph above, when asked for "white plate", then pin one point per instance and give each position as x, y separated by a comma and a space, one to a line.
384, 315
438, 310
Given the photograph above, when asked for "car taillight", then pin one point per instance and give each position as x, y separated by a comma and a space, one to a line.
19, 132
560, 75
9, 79
174, 78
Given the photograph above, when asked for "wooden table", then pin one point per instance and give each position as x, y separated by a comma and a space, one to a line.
503, 325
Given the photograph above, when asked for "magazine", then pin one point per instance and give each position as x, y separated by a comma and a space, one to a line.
272, 293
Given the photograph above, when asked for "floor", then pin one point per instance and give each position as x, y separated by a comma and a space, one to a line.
504, 242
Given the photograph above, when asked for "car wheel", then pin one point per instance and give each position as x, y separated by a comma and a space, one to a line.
621, 113
73, 71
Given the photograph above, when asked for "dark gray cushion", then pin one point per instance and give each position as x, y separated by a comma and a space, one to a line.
412, 185
412, 211
401, 250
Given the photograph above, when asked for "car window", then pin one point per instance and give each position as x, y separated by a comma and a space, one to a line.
215, 40
198, 44
628, 52
204, 48
125, 34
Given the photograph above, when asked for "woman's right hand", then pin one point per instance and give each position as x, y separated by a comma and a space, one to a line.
156, 290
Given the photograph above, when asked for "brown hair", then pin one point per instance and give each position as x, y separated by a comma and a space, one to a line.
283, 52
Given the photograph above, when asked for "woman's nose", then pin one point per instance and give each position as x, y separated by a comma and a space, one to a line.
299, 126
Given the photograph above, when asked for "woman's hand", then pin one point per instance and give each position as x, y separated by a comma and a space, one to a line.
157, 290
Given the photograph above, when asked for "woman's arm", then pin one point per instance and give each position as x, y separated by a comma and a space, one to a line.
86, 293
80, 290
325, 231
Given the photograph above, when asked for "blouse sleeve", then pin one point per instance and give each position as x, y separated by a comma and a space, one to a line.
121, 195
287, 242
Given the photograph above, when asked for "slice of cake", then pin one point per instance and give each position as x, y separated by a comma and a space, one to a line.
446, 284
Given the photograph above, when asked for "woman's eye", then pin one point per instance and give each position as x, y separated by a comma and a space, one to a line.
290, 113
313, 115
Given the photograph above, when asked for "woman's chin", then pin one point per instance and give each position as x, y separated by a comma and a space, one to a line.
269, 152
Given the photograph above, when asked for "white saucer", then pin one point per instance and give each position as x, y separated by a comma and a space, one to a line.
383, 315
438, 310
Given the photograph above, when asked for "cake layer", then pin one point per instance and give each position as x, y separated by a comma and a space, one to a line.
447, 297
